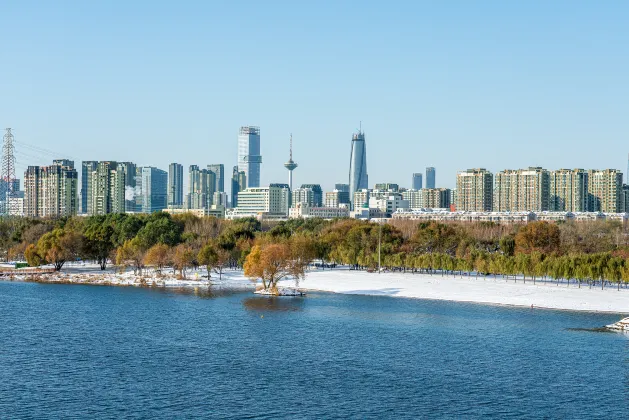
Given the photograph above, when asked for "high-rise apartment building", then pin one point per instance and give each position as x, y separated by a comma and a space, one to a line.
358, 178
154, 189
430, 177
336, 198
130, 184
568, 190
387, 187
303, 196
87, 167
219, 173
175, 185
522, 190
318, 193
106, 187
50, 191
474, 189
361, 199
435, 198
201, 184
624, 199
239, 183
414, 198
249, 158
604, 190
342, 187
417, 182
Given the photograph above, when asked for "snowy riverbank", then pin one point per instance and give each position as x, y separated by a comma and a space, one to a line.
341, 280
470, 289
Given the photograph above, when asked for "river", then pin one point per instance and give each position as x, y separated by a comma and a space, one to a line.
70, 351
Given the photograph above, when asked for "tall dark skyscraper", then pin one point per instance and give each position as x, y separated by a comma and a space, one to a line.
219, 171
417, 182
87, 168
358, 164
430, 177
175, 184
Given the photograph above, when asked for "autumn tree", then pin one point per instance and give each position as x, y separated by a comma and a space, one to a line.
131, 254
59, 246
271, 263
542, 237
183, 258
157, 256
32, 256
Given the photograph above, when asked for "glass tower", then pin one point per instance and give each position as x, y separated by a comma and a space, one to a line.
358, 164
430, 177
249, 158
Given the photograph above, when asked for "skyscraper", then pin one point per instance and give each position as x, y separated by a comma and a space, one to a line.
358, 164
201, 184
417, 182
51, 191
175, 185
604, 190
430, 177
106, 187
239, 182
87, 168
130, 178
154, 189
249, 158
317, 193
219, 171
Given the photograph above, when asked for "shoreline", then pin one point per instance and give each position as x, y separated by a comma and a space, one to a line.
485, 291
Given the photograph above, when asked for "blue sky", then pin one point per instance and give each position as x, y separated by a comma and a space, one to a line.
449, 84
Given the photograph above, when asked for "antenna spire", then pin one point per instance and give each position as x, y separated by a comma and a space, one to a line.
291, 146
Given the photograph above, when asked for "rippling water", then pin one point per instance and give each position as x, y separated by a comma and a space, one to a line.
70, 351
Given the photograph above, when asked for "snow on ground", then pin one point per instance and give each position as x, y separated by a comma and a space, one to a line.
468, 289
78, 273
341, 280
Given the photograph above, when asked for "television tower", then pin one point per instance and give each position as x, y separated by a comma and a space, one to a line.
290, 165
8, 175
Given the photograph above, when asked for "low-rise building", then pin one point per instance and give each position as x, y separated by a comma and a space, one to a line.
304, 211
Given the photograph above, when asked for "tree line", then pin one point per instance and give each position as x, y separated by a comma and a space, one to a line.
590, 253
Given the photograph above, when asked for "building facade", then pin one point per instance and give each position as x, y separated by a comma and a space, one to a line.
154, 189
568, 190
435, 198
219, 173
522, 190
273, 199
239, 183
414, 198
201, 184
474, 190
317, 193
431, 177
106, 188
50, 191
604, 190
416, 184
361, 198
336, 198
303, 196
175, 185
249, 158
87, 167
358, 178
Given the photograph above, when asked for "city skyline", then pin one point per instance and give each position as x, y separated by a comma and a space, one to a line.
432, 79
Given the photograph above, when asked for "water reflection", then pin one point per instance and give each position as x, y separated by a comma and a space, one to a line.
273, 303
202, 292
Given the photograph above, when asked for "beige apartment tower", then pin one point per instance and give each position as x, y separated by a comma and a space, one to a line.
474, 189
568, 190
522, 190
